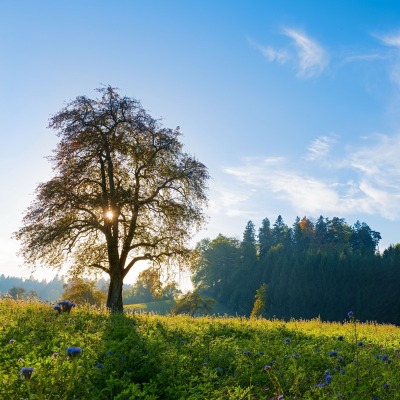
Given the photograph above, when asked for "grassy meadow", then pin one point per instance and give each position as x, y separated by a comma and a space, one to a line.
145, 356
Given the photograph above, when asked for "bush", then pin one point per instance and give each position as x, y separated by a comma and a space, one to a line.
84, 292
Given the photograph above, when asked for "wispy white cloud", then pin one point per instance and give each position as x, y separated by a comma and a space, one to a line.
395, 73
280, 56
380, 201
228, 202
271, 54
304, 193
368, 57
392, 40
320, 148
228, 199
380, 161
312, 58
253, 173
373, 189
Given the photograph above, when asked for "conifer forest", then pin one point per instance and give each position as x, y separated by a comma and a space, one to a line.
315, 268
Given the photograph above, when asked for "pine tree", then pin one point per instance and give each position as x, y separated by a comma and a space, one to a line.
264, 237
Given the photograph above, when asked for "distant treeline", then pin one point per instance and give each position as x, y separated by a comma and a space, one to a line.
45, 290
322, 267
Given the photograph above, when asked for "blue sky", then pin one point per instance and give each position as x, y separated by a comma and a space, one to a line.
294, 106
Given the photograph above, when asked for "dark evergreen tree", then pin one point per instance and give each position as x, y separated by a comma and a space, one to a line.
363, 240
321, 232
280, 232
303, 233
264, 237
314, 269
248, 245
246, 277
339, 233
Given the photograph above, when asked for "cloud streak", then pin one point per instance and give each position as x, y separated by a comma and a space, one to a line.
309, 57
373, 189
392, 40
320, 148
304, 193
380, 162
271, 54
312, 58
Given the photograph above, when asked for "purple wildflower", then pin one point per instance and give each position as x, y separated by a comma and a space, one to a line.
66, 305
57, 308
320, 385
26, 373
74, 351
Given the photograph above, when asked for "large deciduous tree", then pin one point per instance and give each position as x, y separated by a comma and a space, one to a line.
123, 191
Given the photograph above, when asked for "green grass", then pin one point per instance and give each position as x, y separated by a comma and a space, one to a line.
164, 307
145, 356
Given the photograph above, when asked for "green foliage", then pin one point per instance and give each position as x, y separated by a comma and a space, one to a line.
214, 270
164, 307
142, 356
84, 292
17, 292
260, 300
193, 303
315, 268
123, 191
161, 307
45, 290
149, 287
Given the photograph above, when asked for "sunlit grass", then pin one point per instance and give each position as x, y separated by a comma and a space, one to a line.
146, 356
159, 307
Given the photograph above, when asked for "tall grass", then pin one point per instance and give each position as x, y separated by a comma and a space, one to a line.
143, 356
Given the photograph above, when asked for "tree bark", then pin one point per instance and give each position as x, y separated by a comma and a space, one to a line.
114, 298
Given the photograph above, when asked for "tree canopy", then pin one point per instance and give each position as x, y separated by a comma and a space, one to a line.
83, 291
149, 287
123, 191
317, 267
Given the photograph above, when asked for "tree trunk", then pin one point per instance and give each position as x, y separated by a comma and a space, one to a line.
114, 298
